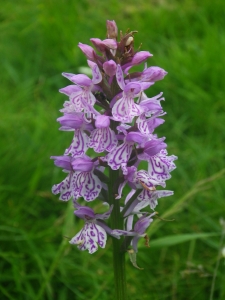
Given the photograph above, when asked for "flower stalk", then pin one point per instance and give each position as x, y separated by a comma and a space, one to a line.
118, 254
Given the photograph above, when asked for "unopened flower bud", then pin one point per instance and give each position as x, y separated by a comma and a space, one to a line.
112, 30
109, 67
87, 50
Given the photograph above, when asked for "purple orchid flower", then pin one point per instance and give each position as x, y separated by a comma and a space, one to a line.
139, 230
125, 108
81, 181
137, 179
93, 234
81, 96
103, 137
78, 123
147, 126
121, 154
160, 165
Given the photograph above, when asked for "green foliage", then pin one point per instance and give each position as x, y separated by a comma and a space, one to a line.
39, 41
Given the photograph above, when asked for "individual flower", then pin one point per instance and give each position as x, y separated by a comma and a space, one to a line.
137, 179
79, 124
81, 96
151, 74
160, 165
139, 230
121, 154
147, 126
125, 108
81, 181
103, 137
93, 234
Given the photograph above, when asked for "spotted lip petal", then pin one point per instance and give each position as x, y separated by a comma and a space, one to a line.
64, 189
119, 155
102, 139
150, 198
86, 185
90, 237
79, 144
147, 126
124, 110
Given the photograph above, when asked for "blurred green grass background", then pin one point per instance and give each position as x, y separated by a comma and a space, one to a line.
38, 42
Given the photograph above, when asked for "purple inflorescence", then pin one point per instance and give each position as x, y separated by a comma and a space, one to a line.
111, 115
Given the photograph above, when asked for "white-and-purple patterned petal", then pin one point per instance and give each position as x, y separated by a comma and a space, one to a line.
119, 155
147, 126
160, 166
86, 185
102, 139
145, 178
124, 110
64, 188
79, 144
90, 237
146, 198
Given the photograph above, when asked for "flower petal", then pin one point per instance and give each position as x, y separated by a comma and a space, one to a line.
86, 185
90, 237
64, 188
79, 144
119, 155
102, 139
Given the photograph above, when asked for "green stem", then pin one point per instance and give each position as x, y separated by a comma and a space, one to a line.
118, 255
